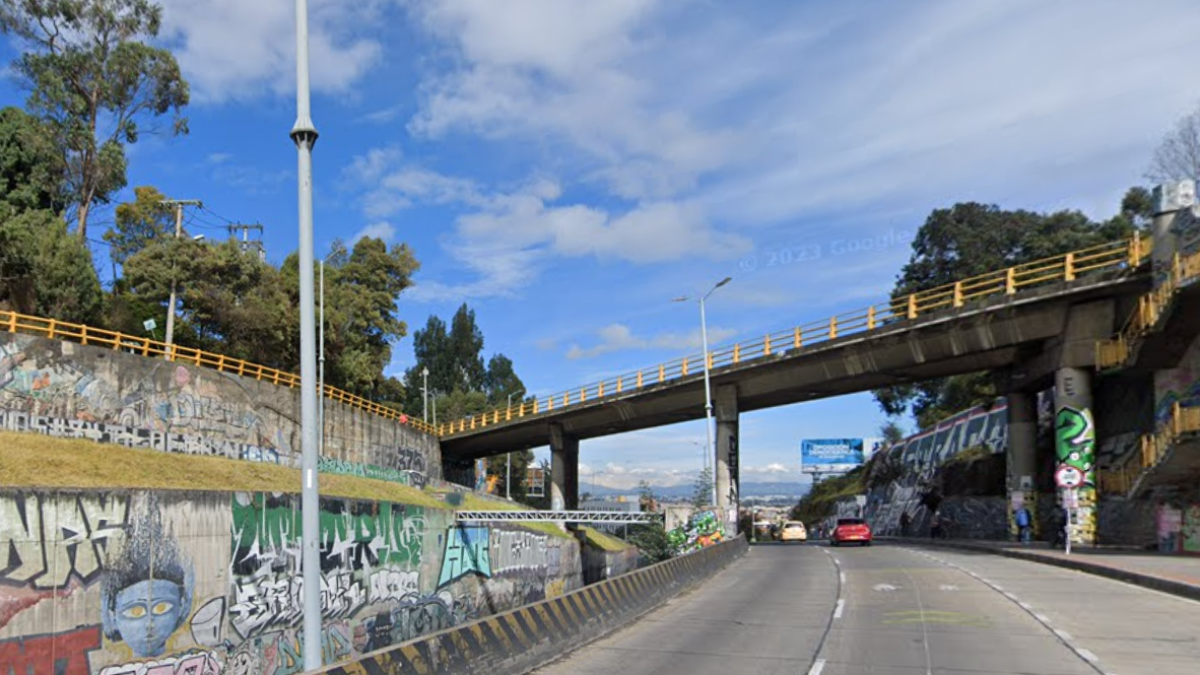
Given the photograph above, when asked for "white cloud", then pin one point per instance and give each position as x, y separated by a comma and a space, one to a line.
219, 157
618, 337
928, 103
381, 230
503, 236
231, 49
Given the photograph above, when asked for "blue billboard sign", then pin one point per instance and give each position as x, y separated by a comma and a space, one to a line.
830, 455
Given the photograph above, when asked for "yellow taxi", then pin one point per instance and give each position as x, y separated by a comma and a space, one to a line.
793, 530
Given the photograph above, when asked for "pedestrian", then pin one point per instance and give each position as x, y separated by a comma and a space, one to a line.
1024, 524
905, 522
935, 526
1062, 518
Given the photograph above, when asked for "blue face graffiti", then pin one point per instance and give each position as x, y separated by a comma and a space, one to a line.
147, 613
147, 590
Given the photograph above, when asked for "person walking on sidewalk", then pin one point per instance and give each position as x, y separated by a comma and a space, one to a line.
1024, 524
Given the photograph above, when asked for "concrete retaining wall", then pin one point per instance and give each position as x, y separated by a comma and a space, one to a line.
201, 583
519, 641
599, 564
74, 391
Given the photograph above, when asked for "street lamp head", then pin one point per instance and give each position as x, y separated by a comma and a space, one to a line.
682, 298
723, 282
425, 371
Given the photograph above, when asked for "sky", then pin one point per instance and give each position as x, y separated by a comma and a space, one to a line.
567, 167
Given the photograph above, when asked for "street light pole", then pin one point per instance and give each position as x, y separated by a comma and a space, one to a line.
508, 459
708, 406
321, 367
425, 393
304, 135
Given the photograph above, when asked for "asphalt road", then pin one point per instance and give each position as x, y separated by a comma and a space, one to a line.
888, 610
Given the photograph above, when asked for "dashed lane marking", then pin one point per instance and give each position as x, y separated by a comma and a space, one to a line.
841, 606
817, 667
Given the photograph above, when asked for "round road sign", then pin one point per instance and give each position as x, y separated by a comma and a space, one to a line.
1068, 477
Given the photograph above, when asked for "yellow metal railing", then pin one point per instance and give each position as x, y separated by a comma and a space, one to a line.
1115, 351
1124, 254
1120, 479
58, 330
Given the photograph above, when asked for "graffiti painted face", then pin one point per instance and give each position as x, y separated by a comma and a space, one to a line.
147, 613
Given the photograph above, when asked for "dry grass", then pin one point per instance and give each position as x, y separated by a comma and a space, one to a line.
28, 460
32, 461
604, 541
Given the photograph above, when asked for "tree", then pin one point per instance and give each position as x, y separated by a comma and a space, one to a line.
42, 271
29, 164
702, 490
499, 466
1178, 155
971, 239
501, 381
138, 223
92, 80
891, 432
652, 542
465, 343
362, 286
45, 271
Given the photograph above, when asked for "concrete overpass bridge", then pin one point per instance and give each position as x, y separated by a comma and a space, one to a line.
1047, 316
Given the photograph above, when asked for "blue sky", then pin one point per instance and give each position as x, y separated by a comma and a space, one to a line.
568, 166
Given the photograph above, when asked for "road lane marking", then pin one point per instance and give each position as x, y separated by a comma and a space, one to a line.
842, 577
837, 611
886, 588
1069, 642
817, 667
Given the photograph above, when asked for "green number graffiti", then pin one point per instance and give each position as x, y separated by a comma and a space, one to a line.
1075, 441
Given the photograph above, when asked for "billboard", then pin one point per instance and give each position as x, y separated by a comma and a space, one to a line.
830, 455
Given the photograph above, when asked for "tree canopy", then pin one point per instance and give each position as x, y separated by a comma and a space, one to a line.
970, 239
92, 76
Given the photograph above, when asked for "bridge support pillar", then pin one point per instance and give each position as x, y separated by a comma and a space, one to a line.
1022, 455
564, 469
725, 406
1075, 449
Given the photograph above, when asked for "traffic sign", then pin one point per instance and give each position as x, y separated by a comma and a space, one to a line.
1068, 477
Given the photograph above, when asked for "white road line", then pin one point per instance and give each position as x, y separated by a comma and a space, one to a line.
1025, 605
1042, 617
842, 577
841, 606
817, 667
1087, 654
1063, 634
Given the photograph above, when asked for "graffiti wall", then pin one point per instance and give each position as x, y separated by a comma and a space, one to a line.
702, 529
922, 454
1180, 384
158, 583
72, 391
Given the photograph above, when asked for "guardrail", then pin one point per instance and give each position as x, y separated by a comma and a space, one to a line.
1123, 254
13, 322
1153, 448
1114, 352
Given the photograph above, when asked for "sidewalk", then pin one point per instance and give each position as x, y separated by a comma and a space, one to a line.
1170, 573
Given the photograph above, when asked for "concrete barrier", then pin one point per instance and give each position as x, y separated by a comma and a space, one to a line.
520, 640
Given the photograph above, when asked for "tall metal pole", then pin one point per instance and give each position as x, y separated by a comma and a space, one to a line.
321, 368
708, 407
304, 135
425, 393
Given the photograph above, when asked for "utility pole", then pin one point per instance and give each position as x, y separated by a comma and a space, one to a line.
304, 135
321, 367
178, 204
246, 243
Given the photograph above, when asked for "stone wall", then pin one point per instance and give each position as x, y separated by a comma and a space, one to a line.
73, 391
174, 583
599, 564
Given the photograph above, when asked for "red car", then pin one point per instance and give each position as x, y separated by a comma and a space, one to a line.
851, 529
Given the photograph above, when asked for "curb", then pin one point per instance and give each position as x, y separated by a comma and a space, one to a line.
519, 640
1169, 586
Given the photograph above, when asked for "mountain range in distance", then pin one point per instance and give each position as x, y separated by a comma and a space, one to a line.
685, 492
